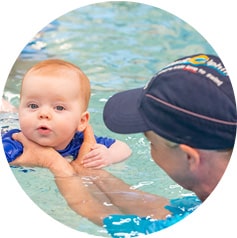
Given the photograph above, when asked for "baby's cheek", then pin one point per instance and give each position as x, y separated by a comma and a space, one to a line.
25, 125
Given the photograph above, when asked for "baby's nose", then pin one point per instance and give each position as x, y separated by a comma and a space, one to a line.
44, 113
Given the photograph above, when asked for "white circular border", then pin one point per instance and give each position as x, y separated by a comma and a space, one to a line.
20, 21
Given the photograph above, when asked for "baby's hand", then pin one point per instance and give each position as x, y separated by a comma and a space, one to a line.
98, 157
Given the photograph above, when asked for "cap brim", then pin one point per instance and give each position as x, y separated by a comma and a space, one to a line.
121, 113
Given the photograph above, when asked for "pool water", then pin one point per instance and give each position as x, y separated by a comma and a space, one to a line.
119, 45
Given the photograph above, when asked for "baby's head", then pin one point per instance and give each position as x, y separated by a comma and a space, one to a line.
53, 103
64, 69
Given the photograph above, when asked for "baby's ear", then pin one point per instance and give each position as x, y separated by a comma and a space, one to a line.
85, 117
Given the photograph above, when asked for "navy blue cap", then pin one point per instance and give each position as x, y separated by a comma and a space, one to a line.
191, 101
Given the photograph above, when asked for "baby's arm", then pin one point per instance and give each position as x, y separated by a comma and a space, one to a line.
101, 156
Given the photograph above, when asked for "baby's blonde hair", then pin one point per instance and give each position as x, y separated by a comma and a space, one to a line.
61, 65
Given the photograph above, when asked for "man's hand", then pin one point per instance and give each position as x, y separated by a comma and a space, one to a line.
88, 143
35, 155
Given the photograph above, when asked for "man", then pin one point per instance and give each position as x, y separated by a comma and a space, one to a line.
187, 109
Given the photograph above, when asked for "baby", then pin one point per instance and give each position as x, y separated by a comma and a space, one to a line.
53, 112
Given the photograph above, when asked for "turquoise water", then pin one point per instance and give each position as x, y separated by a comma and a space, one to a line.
119, 45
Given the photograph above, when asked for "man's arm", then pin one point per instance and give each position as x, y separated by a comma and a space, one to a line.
128, 200
85, 200
81, 199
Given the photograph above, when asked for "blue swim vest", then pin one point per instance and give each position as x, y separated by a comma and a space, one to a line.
14, 148
123, 226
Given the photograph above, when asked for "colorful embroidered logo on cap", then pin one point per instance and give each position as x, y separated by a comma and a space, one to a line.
205, 60
201, 64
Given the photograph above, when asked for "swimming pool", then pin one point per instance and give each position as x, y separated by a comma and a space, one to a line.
117, 51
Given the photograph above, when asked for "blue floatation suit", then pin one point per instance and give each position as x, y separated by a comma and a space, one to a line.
123, 226
14, 148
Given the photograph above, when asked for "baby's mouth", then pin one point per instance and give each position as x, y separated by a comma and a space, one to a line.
44, 130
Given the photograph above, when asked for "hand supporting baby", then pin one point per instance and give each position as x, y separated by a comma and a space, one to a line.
35, 155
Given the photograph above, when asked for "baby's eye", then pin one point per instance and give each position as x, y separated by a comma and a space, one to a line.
33, 106
59, 108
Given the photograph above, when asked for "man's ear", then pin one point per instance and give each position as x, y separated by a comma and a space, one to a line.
192, 155
85, 117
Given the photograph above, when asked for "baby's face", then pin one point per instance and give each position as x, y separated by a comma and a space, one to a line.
51, 108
